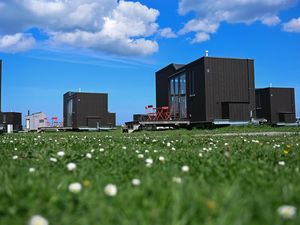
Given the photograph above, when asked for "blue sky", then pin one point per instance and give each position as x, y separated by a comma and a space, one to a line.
50, 47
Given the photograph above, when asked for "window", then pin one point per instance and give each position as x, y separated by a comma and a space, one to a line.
192, 83
177, 96
69, 113
41, 121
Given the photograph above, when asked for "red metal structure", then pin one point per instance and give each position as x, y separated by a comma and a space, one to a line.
158, 114
151, 112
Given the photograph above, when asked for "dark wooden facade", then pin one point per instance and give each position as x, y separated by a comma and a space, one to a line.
276, 105
87, 110
213, 89
13, 118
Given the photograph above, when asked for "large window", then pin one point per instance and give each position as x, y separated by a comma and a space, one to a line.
69, 112
177, 89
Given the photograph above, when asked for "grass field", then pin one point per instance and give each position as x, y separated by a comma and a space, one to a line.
192, 180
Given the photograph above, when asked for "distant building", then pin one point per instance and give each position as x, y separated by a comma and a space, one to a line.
208, 90
36, 120
276, 105
11, 118
87, 110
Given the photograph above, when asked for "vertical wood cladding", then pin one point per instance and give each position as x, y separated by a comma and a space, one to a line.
223, 88
229, 81
196, 102
88, 110
276, 105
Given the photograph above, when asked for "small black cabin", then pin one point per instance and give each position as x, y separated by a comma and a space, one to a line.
87, 110
276, 105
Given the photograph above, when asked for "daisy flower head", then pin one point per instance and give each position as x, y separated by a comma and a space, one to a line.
31, 170
136, 182
185, 169
61, 153
38, 220
161, 158
53, 160
287, 211
111, 190
75, 188
71, 166
88, 155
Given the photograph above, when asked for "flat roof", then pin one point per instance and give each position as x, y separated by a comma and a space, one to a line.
74, 92
178, 67
267, 88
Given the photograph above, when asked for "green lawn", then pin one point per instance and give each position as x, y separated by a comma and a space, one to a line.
231, 180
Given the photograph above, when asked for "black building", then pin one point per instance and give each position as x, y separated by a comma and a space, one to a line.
87, 110
11, 118
276, 105
208, 90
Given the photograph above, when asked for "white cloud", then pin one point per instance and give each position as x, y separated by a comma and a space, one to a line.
201, 37
203, 25
118, 27
100, 41
292, 26
167, 33
271, 21
210, 14
16, 42
45, 7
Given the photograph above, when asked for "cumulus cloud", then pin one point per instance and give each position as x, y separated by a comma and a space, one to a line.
292, 26
201, 37
167, 33
16, 42
118, 27
210, 14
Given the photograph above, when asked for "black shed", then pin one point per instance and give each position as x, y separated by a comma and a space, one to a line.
87, 110
276, 105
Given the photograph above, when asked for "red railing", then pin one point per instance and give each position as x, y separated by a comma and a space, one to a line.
158, 114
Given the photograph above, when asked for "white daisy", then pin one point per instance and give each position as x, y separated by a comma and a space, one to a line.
176, 180
38, 220
61, 153
75, 188
281, 163
53, 159
71, 166
136, 182
149, 161
111, 190
140, 156
31, 170
161, 158
185, 169
287, 211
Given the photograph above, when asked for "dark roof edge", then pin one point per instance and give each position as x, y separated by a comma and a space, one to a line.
182, 66
266, 88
